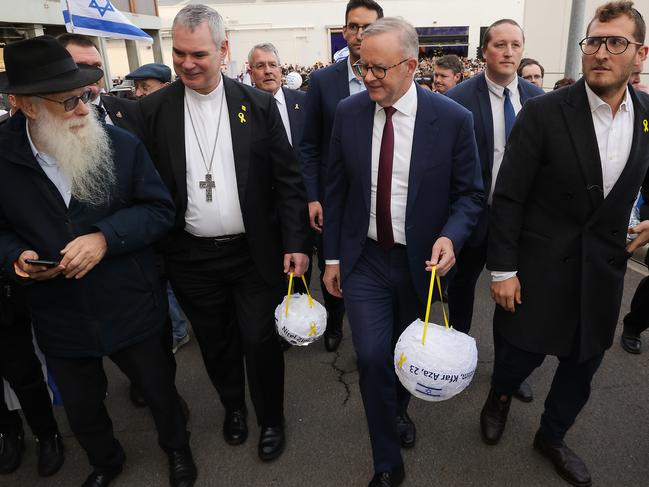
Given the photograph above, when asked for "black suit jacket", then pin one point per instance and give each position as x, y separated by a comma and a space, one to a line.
550, 222
269, 182
473, 94
122, 111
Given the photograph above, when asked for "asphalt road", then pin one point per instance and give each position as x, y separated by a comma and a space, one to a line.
328, 443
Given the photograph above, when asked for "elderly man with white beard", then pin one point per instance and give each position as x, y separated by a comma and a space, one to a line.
80, 208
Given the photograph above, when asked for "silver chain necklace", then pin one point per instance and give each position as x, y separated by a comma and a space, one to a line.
208, 185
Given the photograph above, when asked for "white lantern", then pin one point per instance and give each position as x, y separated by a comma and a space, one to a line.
439, 368
434, 362
299, 318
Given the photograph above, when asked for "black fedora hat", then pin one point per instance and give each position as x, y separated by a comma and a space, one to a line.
43, 65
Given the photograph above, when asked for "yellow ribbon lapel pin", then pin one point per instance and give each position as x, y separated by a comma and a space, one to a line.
241, 114
645, 124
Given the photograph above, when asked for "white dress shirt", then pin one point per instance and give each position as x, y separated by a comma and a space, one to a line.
614, 138
283, 112
52, 170
403, 122
497, 102
614, 135
222, 215
355, 85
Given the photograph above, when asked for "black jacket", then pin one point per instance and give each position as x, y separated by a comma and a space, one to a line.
119, 302
269, 181
550, 222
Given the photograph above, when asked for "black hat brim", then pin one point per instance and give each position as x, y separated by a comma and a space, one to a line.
84, 76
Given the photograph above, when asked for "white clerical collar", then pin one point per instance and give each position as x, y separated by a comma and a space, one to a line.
279, 97
596, 102
498, 90
213, 95
407, 104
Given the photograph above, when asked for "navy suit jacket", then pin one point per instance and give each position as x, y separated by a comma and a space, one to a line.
326, 88
473, 94
296, 107
445, 191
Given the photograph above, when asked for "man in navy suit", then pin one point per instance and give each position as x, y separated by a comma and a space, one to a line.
266, 74
493, 114
403, 194
326, 88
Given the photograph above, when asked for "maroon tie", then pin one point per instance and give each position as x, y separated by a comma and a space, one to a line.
384, 184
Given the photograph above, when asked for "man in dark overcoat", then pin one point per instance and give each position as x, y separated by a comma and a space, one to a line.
81, 205
558, 251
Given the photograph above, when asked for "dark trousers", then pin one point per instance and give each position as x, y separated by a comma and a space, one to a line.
381, 302
335, 306
82, 384
461, 289
568, 394
22, 369
231, 309
637, 319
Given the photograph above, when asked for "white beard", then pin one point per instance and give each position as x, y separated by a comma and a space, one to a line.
84, 156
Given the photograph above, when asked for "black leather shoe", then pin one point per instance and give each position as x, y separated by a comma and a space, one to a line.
136, 397
235, 429
12, 445
272, 441
102, 478
407, 431
332, 340
568, 465
631, 341
493, 417
388, 479
50, 454
182, 470
524, 392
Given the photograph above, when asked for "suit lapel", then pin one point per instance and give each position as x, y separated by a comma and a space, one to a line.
343, 79
487, 118
240, 113
290, 108
423, 141
582, 132
174, 115
364, 129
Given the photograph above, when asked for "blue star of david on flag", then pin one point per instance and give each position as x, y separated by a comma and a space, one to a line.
102, 10
100, 18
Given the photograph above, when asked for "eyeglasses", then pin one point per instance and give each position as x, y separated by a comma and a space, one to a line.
377, 71
71, 103
614, 44
353, 28
271, 65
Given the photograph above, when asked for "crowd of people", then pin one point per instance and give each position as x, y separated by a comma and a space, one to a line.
205, 194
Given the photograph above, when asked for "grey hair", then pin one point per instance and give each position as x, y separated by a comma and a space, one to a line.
191, 16
266, 46
408, 38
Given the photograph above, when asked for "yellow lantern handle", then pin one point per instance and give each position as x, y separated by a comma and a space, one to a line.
433, 276
290, 287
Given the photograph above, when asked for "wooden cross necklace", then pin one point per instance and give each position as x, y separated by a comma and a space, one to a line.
208, 185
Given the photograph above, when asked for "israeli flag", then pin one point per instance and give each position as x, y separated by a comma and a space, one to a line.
101, 19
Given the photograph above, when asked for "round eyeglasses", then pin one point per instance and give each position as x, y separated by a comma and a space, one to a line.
614, 44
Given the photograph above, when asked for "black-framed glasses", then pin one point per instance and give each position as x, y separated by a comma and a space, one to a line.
614, 44
71, 103
354, 28
378, 72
